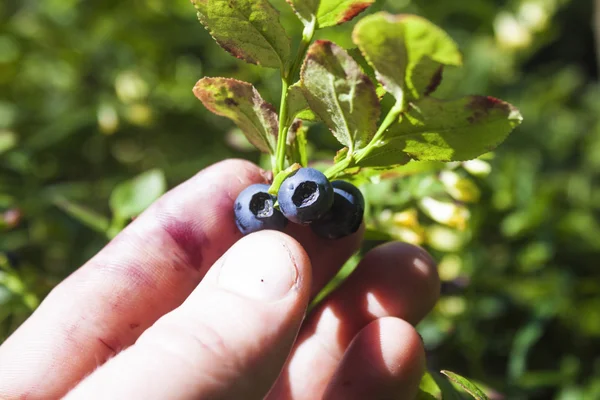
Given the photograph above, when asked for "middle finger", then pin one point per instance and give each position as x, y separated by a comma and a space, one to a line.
393, 280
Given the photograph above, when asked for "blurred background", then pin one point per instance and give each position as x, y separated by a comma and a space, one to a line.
97, 118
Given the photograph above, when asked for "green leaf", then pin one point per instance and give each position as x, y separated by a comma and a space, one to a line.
407, 52
428, 389
368, 69
130, 198
396, 171
8, 140
335, 12
466, 385
88, 217
297, 142
305, 9
340, 94
240, 102
454, 130
387, 155
449, 392
248, 29
328, 12
413, 168
297, 105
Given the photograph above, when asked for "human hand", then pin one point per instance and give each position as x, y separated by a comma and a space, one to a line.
179, 306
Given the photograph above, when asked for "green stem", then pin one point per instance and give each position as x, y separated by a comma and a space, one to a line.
282, 135
390, 118
355, 158
307, 37
286, 79
339, 167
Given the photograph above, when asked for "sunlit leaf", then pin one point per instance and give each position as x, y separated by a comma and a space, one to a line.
407, 52
428, 389
454, 130
335, 12
248, 29
466, 385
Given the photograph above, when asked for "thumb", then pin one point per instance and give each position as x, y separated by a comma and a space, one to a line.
229, 339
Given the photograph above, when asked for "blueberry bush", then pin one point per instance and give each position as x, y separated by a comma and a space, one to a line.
98, 118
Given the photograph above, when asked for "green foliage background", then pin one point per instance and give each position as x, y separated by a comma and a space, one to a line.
93, 93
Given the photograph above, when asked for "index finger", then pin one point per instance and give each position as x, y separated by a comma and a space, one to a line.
146, 271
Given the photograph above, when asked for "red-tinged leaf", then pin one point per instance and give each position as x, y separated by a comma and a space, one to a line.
248, 29
240, 102
335, 12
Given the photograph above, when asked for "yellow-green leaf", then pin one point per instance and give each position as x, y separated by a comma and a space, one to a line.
407, 52
454, 130
464, 383
428, 389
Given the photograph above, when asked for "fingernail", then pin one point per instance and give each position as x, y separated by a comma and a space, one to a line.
259, 266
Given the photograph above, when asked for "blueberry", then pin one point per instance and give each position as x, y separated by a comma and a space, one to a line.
254, 210
305, 196
345, 216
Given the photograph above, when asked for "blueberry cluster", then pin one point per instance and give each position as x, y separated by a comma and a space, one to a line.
306, 197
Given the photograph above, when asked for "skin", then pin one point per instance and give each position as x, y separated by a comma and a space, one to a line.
180, 306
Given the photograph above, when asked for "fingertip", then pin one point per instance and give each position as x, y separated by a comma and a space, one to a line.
420, 260
265, 255
396, 264
386, 359
401, 347
327, 255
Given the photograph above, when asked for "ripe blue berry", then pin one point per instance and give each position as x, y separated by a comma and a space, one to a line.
254, 210
346, 214
305, 196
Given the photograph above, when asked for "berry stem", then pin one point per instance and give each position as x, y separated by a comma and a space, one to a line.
287, 78
339, 167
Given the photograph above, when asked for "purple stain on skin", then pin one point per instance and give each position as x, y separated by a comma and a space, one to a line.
139, 276
191, 242
134, 326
